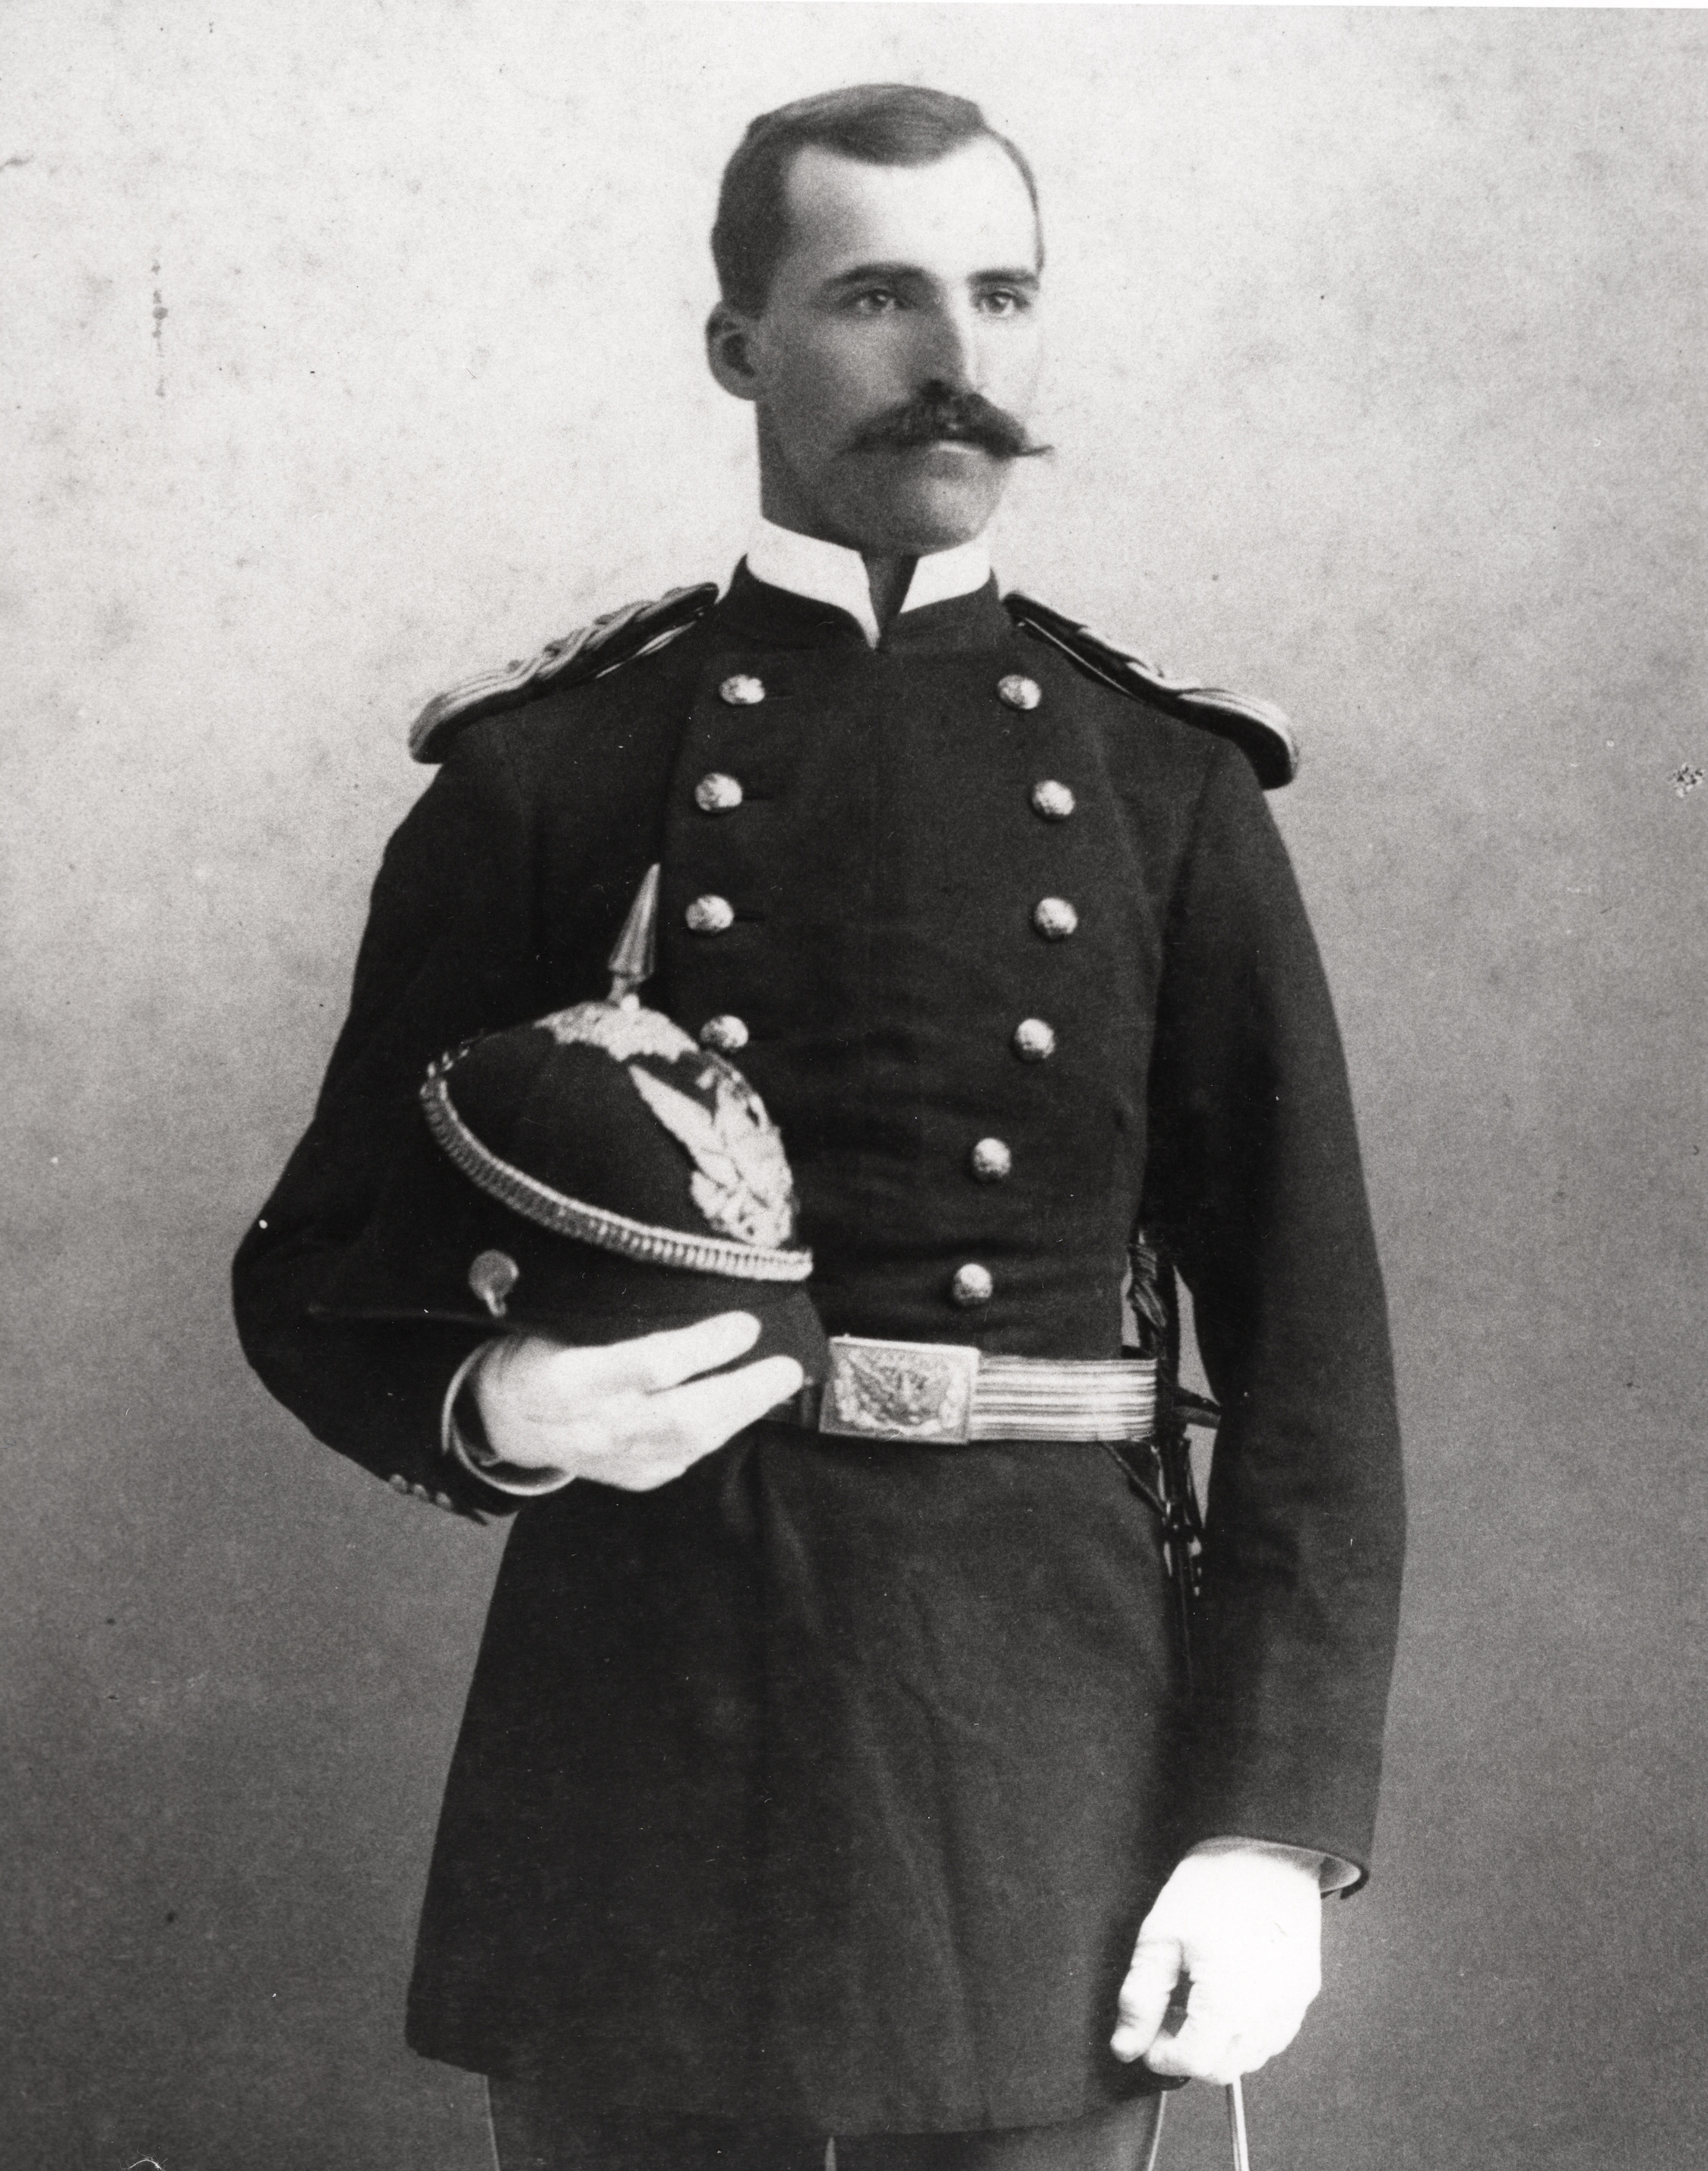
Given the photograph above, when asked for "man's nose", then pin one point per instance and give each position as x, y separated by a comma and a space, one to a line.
949, 350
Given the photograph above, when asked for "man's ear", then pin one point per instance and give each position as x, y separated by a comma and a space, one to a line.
729, 351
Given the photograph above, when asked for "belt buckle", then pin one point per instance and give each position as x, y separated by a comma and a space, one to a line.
919, 1391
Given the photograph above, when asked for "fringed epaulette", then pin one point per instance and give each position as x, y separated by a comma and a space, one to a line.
1263, 733
619, 637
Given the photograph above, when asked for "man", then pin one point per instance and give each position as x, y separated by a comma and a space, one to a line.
815, 1786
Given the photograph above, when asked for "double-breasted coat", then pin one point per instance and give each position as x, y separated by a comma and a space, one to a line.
828, 1784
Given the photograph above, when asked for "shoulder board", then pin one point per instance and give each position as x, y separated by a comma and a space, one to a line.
619, 637
1262, 731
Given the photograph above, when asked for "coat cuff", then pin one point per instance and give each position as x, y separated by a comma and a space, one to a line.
1332, 1871
463, 1437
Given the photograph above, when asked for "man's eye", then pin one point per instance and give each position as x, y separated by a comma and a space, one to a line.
1004, 302
872, 301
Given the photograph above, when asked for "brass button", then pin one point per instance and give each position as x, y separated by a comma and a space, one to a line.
492, 1275
1034, 1041
972, 1285
725, 1034
740, 691
717, 794
1017, 691
710, 915
1053, 801
397, 1481
1055, 919
991, 1160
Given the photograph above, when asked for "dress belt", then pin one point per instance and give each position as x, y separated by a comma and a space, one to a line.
947, 1392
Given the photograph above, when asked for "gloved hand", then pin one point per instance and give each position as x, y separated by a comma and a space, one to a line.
632, 1414
1246, 1926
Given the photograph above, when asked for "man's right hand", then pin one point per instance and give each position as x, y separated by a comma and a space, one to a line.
632, 1414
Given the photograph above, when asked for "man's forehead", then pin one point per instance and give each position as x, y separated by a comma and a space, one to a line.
968, 212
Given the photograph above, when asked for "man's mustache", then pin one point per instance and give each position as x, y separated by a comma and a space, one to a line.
960, 418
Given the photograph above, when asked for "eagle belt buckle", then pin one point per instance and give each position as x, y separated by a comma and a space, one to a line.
919, 1391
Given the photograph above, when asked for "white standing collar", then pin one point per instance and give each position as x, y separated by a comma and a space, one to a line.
829, 574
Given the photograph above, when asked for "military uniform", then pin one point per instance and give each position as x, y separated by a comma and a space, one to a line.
827, 1785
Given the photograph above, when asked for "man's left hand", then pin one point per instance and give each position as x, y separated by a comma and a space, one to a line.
1242, 1929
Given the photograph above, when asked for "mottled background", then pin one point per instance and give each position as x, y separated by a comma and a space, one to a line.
350, 348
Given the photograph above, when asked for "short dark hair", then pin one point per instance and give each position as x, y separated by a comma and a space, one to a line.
882, 124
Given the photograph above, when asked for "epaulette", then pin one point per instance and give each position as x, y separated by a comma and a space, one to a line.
1263, 733
616, 638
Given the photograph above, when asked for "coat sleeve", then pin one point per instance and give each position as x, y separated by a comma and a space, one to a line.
448, 952
1257, 1188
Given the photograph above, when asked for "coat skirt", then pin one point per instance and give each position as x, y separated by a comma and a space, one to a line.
832, 1795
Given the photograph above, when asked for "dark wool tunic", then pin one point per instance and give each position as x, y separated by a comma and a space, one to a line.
829, 1783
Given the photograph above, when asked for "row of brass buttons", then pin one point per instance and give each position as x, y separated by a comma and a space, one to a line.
1033, 1041
991, 1160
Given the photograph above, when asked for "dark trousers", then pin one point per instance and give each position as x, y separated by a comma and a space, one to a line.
531, 2130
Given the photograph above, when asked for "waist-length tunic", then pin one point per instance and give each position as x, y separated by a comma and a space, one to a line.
828, 1784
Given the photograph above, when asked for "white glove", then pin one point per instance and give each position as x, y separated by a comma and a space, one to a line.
1244, 1926
632, 1414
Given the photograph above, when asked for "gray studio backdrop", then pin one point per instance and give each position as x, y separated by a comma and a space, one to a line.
351, 348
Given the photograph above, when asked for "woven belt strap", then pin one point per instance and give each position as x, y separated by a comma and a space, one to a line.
934, 1392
